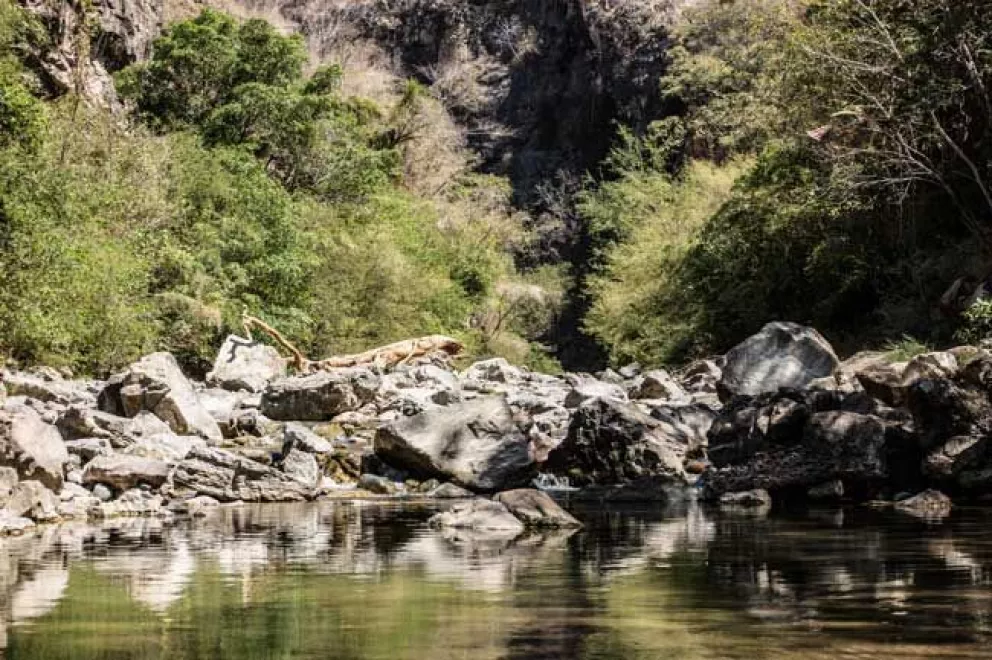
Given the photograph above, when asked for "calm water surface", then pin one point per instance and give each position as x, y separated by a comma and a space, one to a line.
362, 581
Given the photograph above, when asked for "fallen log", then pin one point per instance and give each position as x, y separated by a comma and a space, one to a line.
383, 357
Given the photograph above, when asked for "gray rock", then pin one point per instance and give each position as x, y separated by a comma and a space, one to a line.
123, 472
243, 364
476, 444
78, 422
479, 515
536, 509
156, 384
32, 447
8, 481
701, 377
782, 355
50, 390
297, 436
449, 492
377, 484
829, 491
657, 384
11, 525
131, 503
953, 457
302, 467
756, 499
89, 448
32, 500
496, 370
228, 477
928, 504
103, 493
587, 389
166, 447
320, 396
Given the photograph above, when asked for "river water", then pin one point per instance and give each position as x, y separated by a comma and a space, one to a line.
340, 580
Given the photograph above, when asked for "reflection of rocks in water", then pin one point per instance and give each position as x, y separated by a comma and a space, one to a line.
38, 594
156, 578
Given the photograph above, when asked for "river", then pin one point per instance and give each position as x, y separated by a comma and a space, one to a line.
349, 580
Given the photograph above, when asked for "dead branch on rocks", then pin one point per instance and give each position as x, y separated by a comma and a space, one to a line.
391, 355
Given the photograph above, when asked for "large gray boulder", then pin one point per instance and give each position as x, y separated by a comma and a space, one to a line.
32, 447
536, 509
781, 355
243, 364
50, 389
79, 422
480, 515
611, 443
32, 500
475, 443
156, 384
320, 396
302, 467
228, 477
123, 472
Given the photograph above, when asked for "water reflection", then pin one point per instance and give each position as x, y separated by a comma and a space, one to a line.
346, 580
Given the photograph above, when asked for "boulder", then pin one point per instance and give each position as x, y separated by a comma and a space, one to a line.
31, 499
449, 492
587, 389
50, 390
8, 481
166, 447
686, 424
781, 355
123, 472
320, 396
659, 385
479, 515
496, 370
227, 477
536, 509
701, 377
829, 491
156, 384
88, 448
379, 485
749, 499
928, 504
11, 525
611, 443
475, 443
953, 457
32, 447
302, 467
78, 422
243, 364
297, 436
131, 503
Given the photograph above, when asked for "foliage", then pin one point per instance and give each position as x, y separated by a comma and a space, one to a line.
977, 323
905, 349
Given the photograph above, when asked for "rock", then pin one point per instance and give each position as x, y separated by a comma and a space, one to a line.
536, 509
953, 457
377, 484
224, 407
297, 436
75, 501
943, 409
701, 377
33, 500
479, 515
195, 507
32, 447
166, 447
123, 472
829, 491
497, 370
588, 389
320, 396
928, 504
782, 355
78, 422
302, 467
657, 384
8, 481
449, 492
102, 493
243, 364
749, 499
11, 525
156, 384
612, 443
835, 445
89, 448
134, 502
50, 390
227, 477
686, 424
475, 443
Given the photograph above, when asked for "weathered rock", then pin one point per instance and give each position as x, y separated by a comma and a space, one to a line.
123, 472
166, 447
958, 454
320, 396
475, 444
829, 491
611, 443
8, 481
32, 447
658, 384
928, 504
302, 467
536, 509
49, 390
134, 502
379, 485
196, 507
587, 389
11, 525
243, 364
701, 377
782, 355
449, 492
497, 370
89, 448
751, 499
227, 477
479, 515
102, 493
944, 409
156, 384
297, 436
78, 422
686, 424
31, 499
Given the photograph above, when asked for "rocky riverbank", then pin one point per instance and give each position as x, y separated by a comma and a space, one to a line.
779, 419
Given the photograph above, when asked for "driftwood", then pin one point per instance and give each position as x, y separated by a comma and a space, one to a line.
383, 357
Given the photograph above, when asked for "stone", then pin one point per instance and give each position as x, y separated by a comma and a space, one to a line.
131, 503
449, 492
297, 436
953, 457
32, 447
781, 355
243, 364
377, 484
928, 504
8, 481
50, 390
227, 477
829, 491
103, 493
587, 389
123, 472
475, 443
686, 424
166, 447
701, 377
302, 467
89, 448
320, 396
496, 370
659, 385
31, 499
156, 384
479, 515
11, 525
225, 407
195, 507
536, 509
79, 422
749, 499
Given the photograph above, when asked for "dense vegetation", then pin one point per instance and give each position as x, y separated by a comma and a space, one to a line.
239, 183
863, 193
